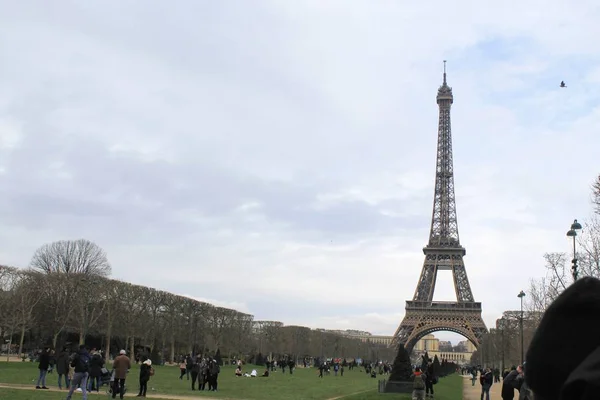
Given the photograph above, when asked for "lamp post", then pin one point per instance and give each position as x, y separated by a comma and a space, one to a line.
520, 296
575, 226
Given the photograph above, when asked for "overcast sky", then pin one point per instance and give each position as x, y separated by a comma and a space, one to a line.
278, 157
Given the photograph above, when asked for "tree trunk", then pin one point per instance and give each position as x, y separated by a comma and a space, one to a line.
9, 345
82, 335
132, 349
108, 338
55, 340
172, 358
21, 340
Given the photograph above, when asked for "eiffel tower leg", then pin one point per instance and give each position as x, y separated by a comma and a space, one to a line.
426, 285
461, 282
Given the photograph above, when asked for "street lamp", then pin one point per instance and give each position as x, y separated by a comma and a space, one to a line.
520, 296
575, 226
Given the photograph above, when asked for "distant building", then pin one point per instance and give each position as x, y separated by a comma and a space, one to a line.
445, 345
427, 343
443, 350
460, 354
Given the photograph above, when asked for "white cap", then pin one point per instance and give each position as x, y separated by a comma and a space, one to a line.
123, 352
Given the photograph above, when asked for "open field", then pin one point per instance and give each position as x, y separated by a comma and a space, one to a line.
304, 384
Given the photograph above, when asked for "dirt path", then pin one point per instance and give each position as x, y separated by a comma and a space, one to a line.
156, 396
471, 392
148, 396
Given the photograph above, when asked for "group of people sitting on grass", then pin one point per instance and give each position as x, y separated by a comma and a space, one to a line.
252, 374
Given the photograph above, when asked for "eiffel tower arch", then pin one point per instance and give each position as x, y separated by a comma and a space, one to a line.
443, 252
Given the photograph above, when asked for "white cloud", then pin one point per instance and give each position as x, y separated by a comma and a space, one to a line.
279, 158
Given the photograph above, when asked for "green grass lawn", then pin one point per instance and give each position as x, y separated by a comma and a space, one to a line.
304, 384
448, 388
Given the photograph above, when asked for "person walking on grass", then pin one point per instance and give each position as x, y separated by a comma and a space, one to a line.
146, 371
80, 362
121, 366
43, 366
62, 368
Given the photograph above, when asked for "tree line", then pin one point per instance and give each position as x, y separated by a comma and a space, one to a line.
67, 296
503, 341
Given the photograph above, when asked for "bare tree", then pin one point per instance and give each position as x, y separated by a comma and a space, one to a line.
156, 305
267, 335
136, 314
58, 292
89, 304
25, 296
219, 321
110, 296
71, 257
8, 278
241, 326
559, 277
589, 248
596, 194
173, 306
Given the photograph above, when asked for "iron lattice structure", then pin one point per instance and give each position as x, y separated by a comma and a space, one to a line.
443, 252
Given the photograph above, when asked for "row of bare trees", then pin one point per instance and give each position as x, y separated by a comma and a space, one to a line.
502, 345
66, 295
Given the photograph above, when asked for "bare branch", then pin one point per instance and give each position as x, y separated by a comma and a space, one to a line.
71, 257
596, 194
589, 248
556, 264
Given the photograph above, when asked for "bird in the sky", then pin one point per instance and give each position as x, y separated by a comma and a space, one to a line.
562, 84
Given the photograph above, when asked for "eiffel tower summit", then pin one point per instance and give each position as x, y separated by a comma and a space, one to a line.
443, 252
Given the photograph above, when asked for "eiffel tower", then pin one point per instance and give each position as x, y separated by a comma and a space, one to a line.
443, 252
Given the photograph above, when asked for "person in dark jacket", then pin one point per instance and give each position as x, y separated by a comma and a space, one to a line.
510, 383
81, 363
62, 367
486, 380
43, 367
213, 375
96, 365
429, 378
195, 372
203, 374
145, 374
560, 365
525, 393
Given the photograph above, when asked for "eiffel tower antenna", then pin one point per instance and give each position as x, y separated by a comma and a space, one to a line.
443, 252
444, 72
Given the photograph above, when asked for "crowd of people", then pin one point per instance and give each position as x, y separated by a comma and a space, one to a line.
512, 379
203, 370
85, 371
